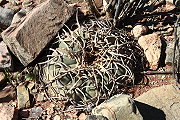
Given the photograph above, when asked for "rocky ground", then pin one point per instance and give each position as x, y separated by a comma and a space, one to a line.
29, 82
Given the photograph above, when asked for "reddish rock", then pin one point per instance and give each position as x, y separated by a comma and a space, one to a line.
82, 116
151, 45
167, 7
27, 38
7, 112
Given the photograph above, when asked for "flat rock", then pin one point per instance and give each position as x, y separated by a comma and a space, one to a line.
6, 16
5, 57
151, 45
163, 102
119, 107
7, 112
27, 38
23, 97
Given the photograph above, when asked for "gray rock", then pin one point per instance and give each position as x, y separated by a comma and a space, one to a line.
7, 112
74, 1
170, 53
5, 57
36, 30
36, 112
95, 117
23, 97
161, 103
6, 16
170, 50
178, 31
119, 107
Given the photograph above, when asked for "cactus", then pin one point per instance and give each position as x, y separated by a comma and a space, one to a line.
92, 63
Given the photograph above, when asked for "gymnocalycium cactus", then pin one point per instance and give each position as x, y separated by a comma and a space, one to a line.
92, 63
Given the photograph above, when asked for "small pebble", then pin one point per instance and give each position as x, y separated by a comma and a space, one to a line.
139, 30
57, 117
82, 116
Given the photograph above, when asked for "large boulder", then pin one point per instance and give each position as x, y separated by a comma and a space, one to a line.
161, 103
119, 107
32, 33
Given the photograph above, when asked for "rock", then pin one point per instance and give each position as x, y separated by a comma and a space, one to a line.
12, 6
5, 57
14, 2
7, 112
6, 16
95, 117
170, 53
57, 117
50, 109
7, 94
74, 1
178, 31
23, 113
175, 2
1, 1
119, 107
23, 97
36, 112
151, 45
41, 97
28, 5
98, 3
2, 78
139, 30
18, 16
168, 7
82, 116
36, 30
165, 99
30, 85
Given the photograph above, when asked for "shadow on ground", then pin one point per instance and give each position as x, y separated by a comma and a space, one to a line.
150, 113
